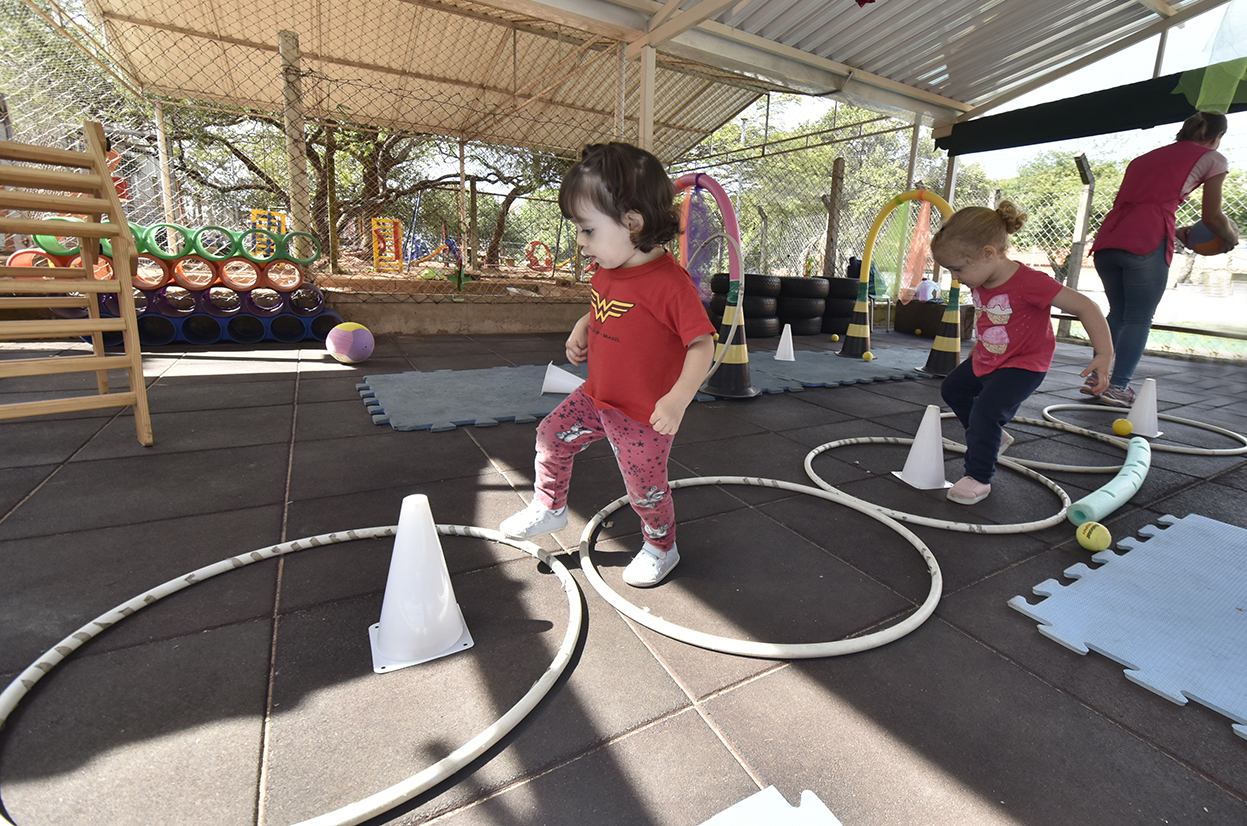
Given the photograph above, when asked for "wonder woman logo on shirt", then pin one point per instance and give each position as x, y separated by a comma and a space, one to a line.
603, 310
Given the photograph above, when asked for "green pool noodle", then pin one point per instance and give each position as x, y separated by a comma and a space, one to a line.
1097, 505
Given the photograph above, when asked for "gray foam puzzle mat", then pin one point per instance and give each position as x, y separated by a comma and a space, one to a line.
1173, 610
445, 399
827, 369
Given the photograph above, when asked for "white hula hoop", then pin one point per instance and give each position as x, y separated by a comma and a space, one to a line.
1156, 446
383, 801
766, 650
943, 524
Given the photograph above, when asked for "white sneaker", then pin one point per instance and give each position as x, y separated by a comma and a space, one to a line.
534, 520
650, 566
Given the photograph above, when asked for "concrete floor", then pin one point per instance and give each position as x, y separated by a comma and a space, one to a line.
250, 698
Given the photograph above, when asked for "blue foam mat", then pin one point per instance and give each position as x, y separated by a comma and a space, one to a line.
445, 399
1173, 610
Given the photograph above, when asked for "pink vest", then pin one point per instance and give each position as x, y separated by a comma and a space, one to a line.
1143, 212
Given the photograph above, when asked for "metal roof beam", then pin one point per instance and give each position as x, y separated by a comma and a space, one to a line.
715, 44
677, 25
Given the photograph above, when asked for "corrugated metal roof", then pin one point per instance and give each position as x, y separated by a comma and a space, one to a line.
548, 75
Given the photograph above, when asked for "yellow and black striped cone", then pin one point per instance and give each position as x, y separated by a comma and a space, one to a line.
857, 339
731, 380
946, 351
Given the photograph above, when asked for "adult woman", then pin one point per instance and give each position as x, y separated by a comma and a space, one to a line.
1134, 246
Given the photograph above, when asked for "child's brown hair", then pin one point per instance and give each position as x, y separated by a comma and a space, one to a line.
618, 178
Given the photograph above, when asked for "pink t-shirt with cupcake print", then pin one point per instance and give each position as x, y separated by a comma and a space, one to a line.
1014, 323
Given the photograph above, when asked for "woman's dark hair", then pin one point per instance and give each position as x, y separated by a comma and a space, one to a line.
618, 178
1203, 126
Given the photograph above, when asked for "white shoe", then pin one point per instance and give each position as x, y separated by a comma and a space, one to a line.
534, 520
650, 566
968, 491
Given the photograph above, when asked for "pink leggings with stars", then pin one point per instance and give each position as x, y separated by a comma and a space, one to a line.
640, 451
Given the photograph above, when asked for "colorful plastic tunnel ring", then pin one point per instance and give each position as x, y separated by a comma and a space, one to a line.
152, 273
215, 243
52, 243
287, 328
240, 274
285, 248
195, 273
245, 329
282, 276
139, 233
172, 301
252, 242
33, 257
167, 250
221, 302
263, 302
306, 301
156, 330
103, 267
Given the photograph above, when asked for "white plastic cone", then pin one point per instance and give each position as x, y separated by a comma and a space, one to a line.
924, 467
559, 380
420, 619
1142, 416
784, 352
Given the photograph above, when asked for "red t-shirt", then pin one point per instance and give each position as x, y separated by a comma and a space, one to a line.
640, 326
1014, 323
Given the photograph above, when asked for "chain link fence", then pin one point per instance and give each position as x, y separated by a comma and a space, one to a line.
404, 215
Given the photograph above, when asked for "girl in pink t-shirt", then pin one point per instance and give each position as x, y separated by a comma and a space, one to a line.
647, 339
1015, 342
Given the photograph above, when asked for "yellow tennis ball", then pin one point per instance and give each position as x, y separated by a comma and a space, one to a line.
917, 332
868, 356
1093, 536
835, 337
1123, 427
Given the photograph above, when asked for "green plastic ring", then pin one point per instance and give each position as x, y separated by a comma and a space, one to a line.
283, 250
153, 248
252, 256
205, 253
48, 243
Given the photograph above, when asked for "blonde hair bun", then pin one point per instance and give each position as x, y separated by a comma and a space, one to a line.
1013, 217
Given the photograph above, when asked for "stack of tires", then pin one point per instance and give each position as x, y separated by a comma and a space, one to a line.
802, 303
760, 306
841, 298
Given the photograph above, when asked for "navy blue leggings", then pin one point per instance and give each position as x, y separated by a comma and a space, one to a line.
1134, 286
983, 405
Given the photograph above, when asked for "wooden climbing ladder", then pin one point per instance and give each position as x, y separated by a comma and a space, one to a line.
38, 180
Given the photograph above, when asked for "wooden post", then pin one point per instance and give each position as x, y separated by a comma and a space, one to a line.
331, 192
472, 226
162, 153
296, 145
1073, 264
645, 129
762, 262
832, 202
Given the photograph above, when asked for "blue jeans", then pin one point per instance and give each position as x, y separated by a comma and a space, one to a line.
1134, 285
983, 405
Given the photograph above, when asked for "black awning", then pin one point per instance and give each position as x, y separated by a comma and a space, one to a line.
1133, 106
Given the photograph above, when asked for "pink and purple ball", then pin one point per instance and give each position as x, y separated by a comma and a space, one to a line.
349, 343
